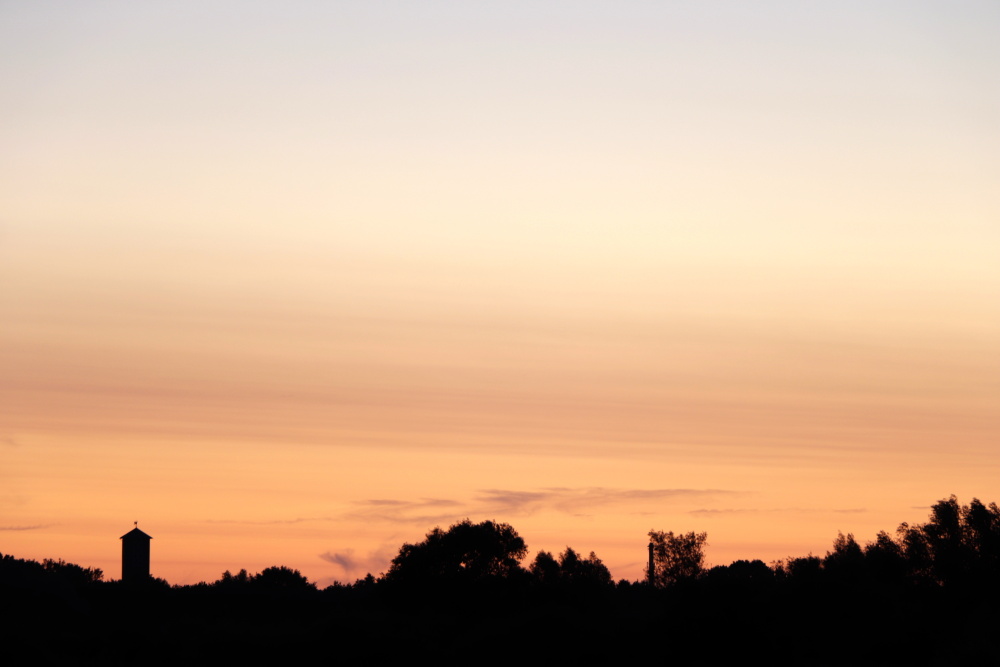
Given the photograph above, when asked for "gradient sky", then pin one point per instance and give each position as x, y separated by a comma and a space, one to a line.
292, 283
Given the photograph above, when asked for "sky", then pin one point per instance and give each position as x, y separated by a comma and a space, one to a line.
294, 283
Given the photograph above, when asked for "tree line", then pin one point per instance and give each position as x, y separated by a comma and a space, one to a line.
958, 546
882, 602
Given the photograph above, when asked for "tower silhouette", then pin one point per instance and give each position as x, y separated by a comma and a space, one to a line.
135, 555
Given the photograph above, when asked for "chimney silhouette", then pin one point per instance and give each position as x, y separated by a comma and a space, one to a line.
135, 556
650, 572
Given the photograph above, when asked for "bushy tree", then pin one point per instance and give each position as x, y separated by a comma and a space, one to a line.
676, 557
230, 580
275, 578
282, 578
545, 568
590, 570
26, 573
884, 559
847, 560
73, 573
804, 569
959, 545
466, 552
570, 569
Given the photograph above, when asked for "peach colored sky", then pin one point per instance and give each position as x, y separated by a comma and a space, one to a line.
294, 283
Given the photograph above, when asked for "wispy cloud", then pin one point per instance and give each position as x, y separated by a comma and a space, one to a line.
513, 503
271, 522
504, 503
9, 441
35, 527
715, 513
423, 511
355, 566
599, 497
583, 501
710, 513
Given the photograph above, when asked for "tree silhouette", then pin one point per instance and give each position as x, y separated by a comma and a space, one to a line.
466, 552
545, 568
282, 578
885, 559
71, 572
230, 580
676, 557
847, 560
570, 569
958, 546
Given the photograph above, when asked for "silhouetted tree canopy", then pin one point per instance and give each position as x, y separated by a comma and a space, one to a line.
465, 552
847, 560
742, 572
570, 569
73, 573
276, 578
545, 567
282, 578
959, 546
230, 580
882, 603
676, 557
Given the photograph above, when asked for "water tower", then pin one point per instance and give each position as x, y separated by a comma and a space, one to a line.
135, 556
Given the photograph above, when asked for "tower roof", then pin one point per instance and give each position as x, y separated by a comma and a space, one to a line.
135, 533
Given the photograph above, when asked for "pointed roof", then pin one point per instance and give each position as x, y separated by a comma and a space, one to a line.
134, 534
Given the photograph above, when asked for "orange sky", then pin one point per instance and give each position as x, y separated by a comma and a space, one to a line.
293, 285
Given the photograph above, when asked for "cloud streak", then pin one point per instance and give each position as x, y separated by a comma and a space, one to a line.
35, 527
423, 511
503, 503
270, 522
355, 566
716, 513
585, 500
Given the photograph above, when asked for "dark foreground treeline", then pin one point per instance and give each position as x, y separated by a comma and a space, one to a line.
926, 595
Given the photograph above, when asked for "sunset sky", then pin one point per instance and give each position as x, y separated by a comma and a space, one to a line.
291, 283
